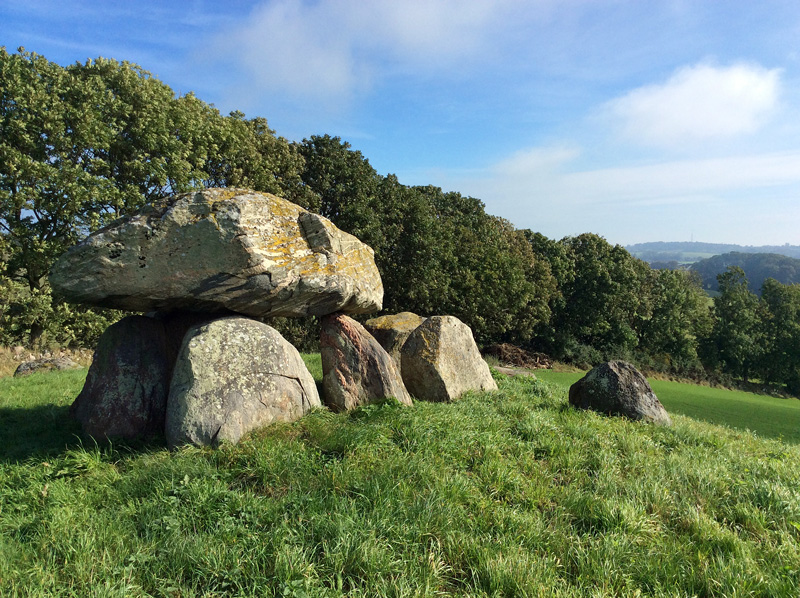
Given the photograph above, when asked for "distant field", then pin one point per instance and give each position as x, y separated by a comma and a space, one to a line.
770, 417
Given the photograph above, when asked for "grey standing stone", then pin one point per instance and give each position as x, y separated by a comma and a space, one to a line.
234, 375
441, 361
356, 369
125, 392
618, 388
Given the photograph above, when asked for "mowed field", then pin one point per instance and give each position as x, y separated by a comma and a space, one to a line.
770, 417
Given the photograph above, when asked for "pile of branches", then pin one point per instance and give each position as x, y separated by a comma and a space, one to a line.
512, 355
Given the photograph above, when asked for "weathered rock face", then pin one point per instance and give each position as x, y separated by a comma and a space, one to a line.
222, 249
356, 369
392, 332
234, 375
47, 364
125, 393
618, 388
441, 361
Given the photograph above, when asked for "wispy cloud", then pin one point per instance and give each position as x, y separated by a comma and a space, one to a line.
698, 103
334, 49
542, 188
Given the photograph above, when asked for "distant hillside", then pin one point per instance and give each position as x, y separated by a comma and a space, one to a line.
690, 252
757, 266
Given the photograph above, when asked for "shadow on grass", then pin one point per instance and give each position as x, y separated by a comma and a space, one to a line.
48, 430
37, 431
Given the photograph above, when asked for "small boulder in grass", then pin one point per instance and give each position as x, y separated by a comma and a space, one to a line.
356, 369
47, 364
618, 388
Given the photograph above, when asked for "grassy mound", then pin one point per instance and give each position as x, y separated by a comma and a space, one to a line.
504, 494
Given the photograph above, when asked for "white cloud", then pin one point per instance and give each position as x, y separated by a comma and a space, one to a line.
720, 198
536, 161
332, 49
699, 103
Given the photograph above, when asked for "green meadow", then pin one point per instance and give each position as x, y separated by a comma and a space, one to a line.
502, 494
767, 416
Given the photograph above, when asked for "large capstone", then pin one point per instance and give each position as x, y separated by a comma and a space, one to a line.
222, 249
234, 375
618, 388
356, 369
441, 361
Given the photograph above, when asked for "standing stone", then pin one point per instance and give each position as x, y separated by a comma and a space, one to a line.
125, 392
356, 369
222, 249
618, 388
441, 361
392, 331
234, 375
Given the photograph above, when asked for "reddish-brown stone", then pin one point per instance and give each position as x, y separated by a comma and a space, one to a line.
356, 369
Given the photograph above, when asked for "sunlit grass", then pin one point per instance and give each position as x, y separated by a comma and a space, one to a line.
499, 494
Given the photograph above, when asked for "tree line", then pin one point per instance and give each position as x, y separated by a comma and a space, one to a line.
85, 144
758, 267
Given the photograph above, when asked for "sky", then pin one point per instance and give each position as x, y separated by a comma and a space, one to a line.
645, 120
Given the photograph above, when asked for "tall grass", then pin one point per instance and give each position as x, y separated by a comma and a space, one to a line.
499, 494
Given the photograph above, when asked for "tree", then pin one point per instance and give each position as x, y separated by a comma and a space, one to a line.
679, 320
83, 145
601, 302
736, 330
780, 323
438, 253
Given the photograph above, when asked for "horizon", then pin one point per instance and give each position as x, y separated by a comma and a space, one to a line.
632, 121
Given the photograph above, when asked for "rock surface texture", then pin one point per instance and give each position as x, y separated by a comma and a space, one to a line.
441, 361
125, 393
392, 332
234, 375
222, 249
618, 388
356, 369
47, 364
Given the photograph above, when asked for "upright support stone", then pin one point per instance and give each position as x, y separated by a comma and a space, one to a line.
441, 361
125, 393
234, 375
392, 331
356, 369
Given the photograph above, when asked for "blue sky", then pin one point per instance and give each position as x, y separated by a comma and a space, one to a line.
637, 120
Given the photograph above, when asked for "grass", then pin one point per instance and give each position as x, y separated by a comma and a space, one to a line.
767, 416
499, 494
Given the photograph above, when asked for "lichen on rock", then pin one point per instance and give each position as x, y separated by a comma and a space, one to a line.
222, 250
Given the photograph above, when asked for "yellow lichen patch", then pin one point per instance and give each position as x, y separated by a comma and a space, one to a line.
403, 321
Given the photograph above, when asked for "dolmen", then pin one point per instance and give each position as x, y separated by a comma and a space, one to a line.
209, 268
618, 388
